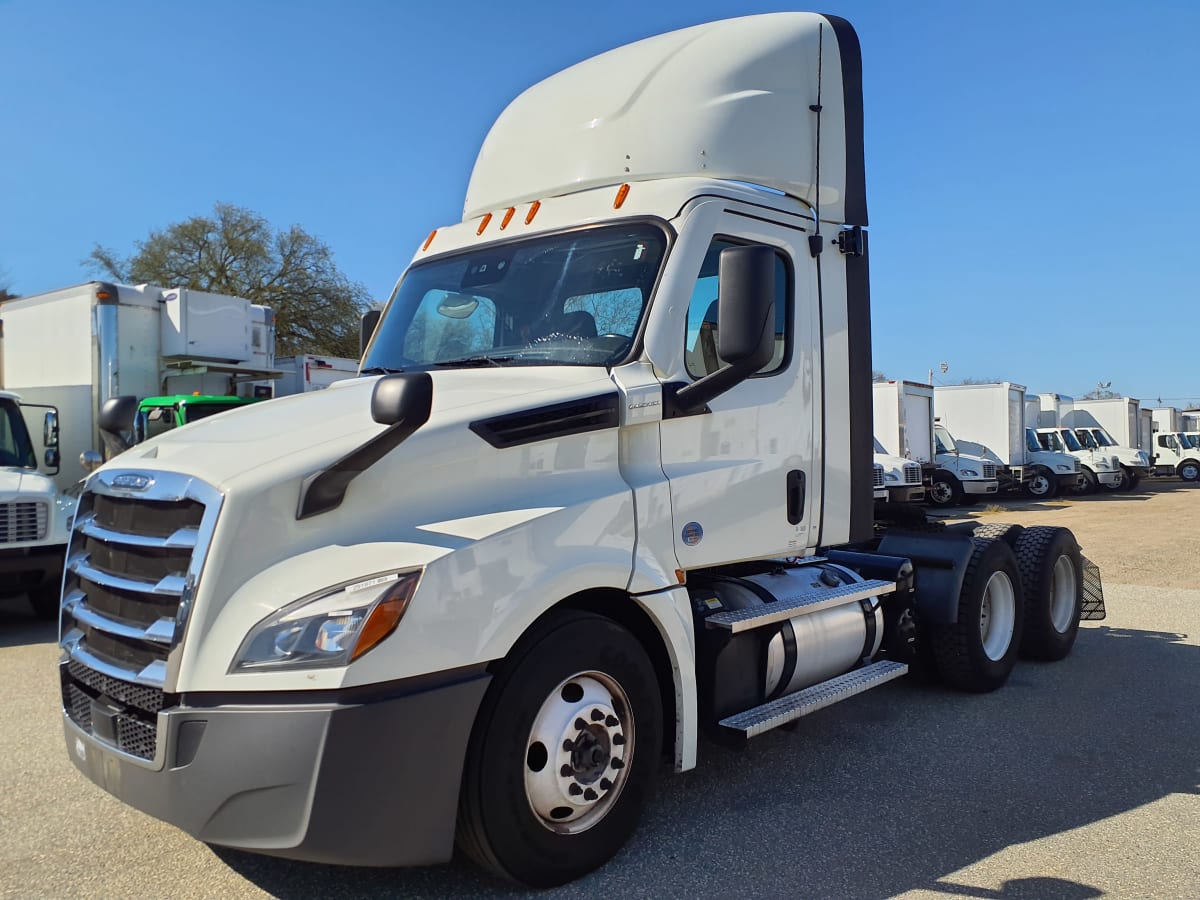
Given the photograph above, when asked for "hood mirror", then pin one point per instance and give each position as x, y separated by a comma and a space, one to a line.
457, 306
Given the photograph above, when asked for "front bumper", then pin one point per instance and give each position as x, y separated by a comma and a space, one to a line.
346, 781
1068, 481
979, 486
28, 568
1108, 477
906, 493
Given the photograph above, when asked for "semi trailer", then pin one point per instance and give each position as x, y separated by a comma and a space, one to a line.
602, 487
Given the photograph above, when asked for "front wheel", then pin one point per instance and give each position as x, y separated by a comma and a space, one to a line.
565, 752
945, 490
1122, 482
1041, 485
1087, 482
1189, 470
977, 653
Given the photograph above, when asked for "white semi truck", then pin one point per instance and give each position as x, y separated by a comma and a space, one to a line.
35, 516
989, 420
604, 488
905, 426
78, 346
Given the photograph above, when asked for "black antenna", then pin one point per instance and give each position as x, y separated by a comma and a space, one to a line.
814, 240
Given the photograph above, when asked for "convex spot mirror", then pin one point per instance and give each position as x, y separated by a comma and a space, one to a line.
457, 306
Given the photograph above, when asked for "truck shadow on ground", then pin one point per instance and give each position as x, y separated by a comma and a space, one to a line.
893, 791
18, 626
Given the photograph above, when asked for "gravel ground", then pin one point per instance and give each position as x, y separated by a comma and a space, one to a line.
1078, 779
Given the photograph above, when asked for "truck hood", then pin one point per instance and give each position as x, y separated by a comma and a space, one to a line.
312, 430
24, 484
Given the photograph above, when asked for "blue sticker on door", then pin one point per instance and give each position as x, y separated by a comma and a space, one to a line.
692, 534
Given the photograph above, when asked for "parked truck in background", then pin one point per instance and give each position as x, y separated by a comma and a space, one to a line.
904, 425
305, 373
592, 498
1098, 468
79, 346
34, 515
989, 420
902, 477
1117, 426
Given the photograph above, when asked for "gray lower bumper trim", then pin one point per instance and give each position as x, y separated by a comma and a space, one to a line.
371, 784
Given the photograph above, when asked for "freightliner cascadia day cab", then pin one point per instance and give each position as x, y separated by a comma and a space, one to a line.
604, 487
35, 516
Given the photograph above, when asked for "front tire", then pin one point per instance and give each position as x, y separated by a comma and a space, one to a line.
564, 754
1052, 580
977, 653
1189, 470
945, 490
1087, 482
1041, 485
1122, 482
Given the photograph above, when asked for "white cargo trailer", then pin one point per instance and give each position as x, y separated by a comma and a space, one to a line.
904, 425
989, 420
78, 346
307, 372
493, 593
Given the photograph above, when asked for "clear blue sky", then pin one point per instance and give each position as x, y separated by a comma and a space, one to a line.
1032, 174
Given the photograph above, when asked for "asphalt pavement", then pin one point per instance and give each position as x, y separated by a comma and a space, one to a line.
1078, 779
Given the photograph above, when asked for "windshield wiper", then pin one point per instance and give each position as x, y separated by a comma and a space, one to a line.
475, 361
382, 370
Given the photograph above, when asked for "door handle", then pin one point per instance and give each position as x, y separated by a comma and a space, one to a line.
795, 496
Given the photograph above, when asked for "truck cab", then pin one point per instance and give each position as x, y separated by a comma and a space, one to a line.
1134, 464
902, 478
34, 515
1177, 456
1058, 471
960, 477
1097, 469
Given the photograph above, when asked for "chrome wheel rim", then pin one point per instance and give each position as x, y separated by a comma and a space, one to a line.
1039, 485
997, 616
940, 492
1062, 594
578, 753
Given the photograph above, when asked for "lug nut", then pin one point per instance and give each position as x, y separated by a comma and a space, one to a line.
589, 794
618, 740
568, 746
580, 724
597, 715
566, 771
612, 721
605, 784
618, 763
574, 790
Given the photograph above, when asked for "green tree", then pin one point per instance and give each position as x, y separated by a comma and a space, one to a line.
236, 251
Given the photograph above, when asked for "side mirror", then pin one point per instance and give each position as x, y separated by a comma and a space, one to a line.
115, 422
746, 310
399, 398
51, 459
90, 460
366, 329
50, 432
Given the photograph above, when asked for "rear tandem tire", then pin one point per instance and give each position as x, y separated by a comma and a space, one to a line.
1051, 570
977, 653
534, 808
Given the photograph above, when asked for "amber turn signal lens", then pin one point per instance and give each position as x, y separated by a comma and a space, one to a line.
537, 204
622, 193
429, 240
386, 615
507, 217
484, 223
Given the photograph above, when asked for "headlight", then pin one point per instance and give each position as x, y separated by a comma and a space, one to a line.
970, 473
331, 628
1062, 468
891, 476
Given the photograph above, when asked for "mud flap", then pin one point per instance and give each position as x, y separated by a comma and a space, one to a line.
1093, 593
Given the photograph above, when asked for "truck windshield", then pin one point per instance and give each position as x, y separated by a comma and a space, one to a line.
1103, 438
153, 421
565, 299
1073, 443
15, 447
1031, 441
1048, 440
945, 443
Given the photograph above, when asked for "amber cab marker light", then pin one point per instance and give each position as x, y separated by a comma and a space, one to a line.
622, 193
507, 217
385, 617
537, 204
429, 240
484, 223
103, 295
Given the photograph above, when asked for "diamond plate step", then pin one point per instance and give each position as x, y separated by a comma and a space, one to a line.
787, 607
763, 718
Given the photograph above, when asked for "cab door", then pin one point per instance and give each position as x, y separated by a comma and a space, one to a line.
743, 476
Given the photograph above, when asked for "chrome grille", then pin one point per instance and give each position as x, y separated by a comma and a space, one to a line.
989, 470
24, 521
878, 475
912, 474
133, 563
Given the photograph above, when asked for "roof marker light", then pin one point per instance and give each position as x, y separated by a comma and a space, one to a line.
484, 224
507, 217
429, 240
622, 193
533, 210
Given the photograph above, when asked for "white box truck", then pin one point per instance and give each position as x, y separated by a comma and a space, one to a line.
988, 420
904, 426
1115, 425
1098, 468
79, 346
1175, 453
307, 372
594, 498
34, 515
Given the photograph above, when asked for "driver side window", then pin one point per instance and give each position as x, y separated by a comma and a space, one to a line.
700, 355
